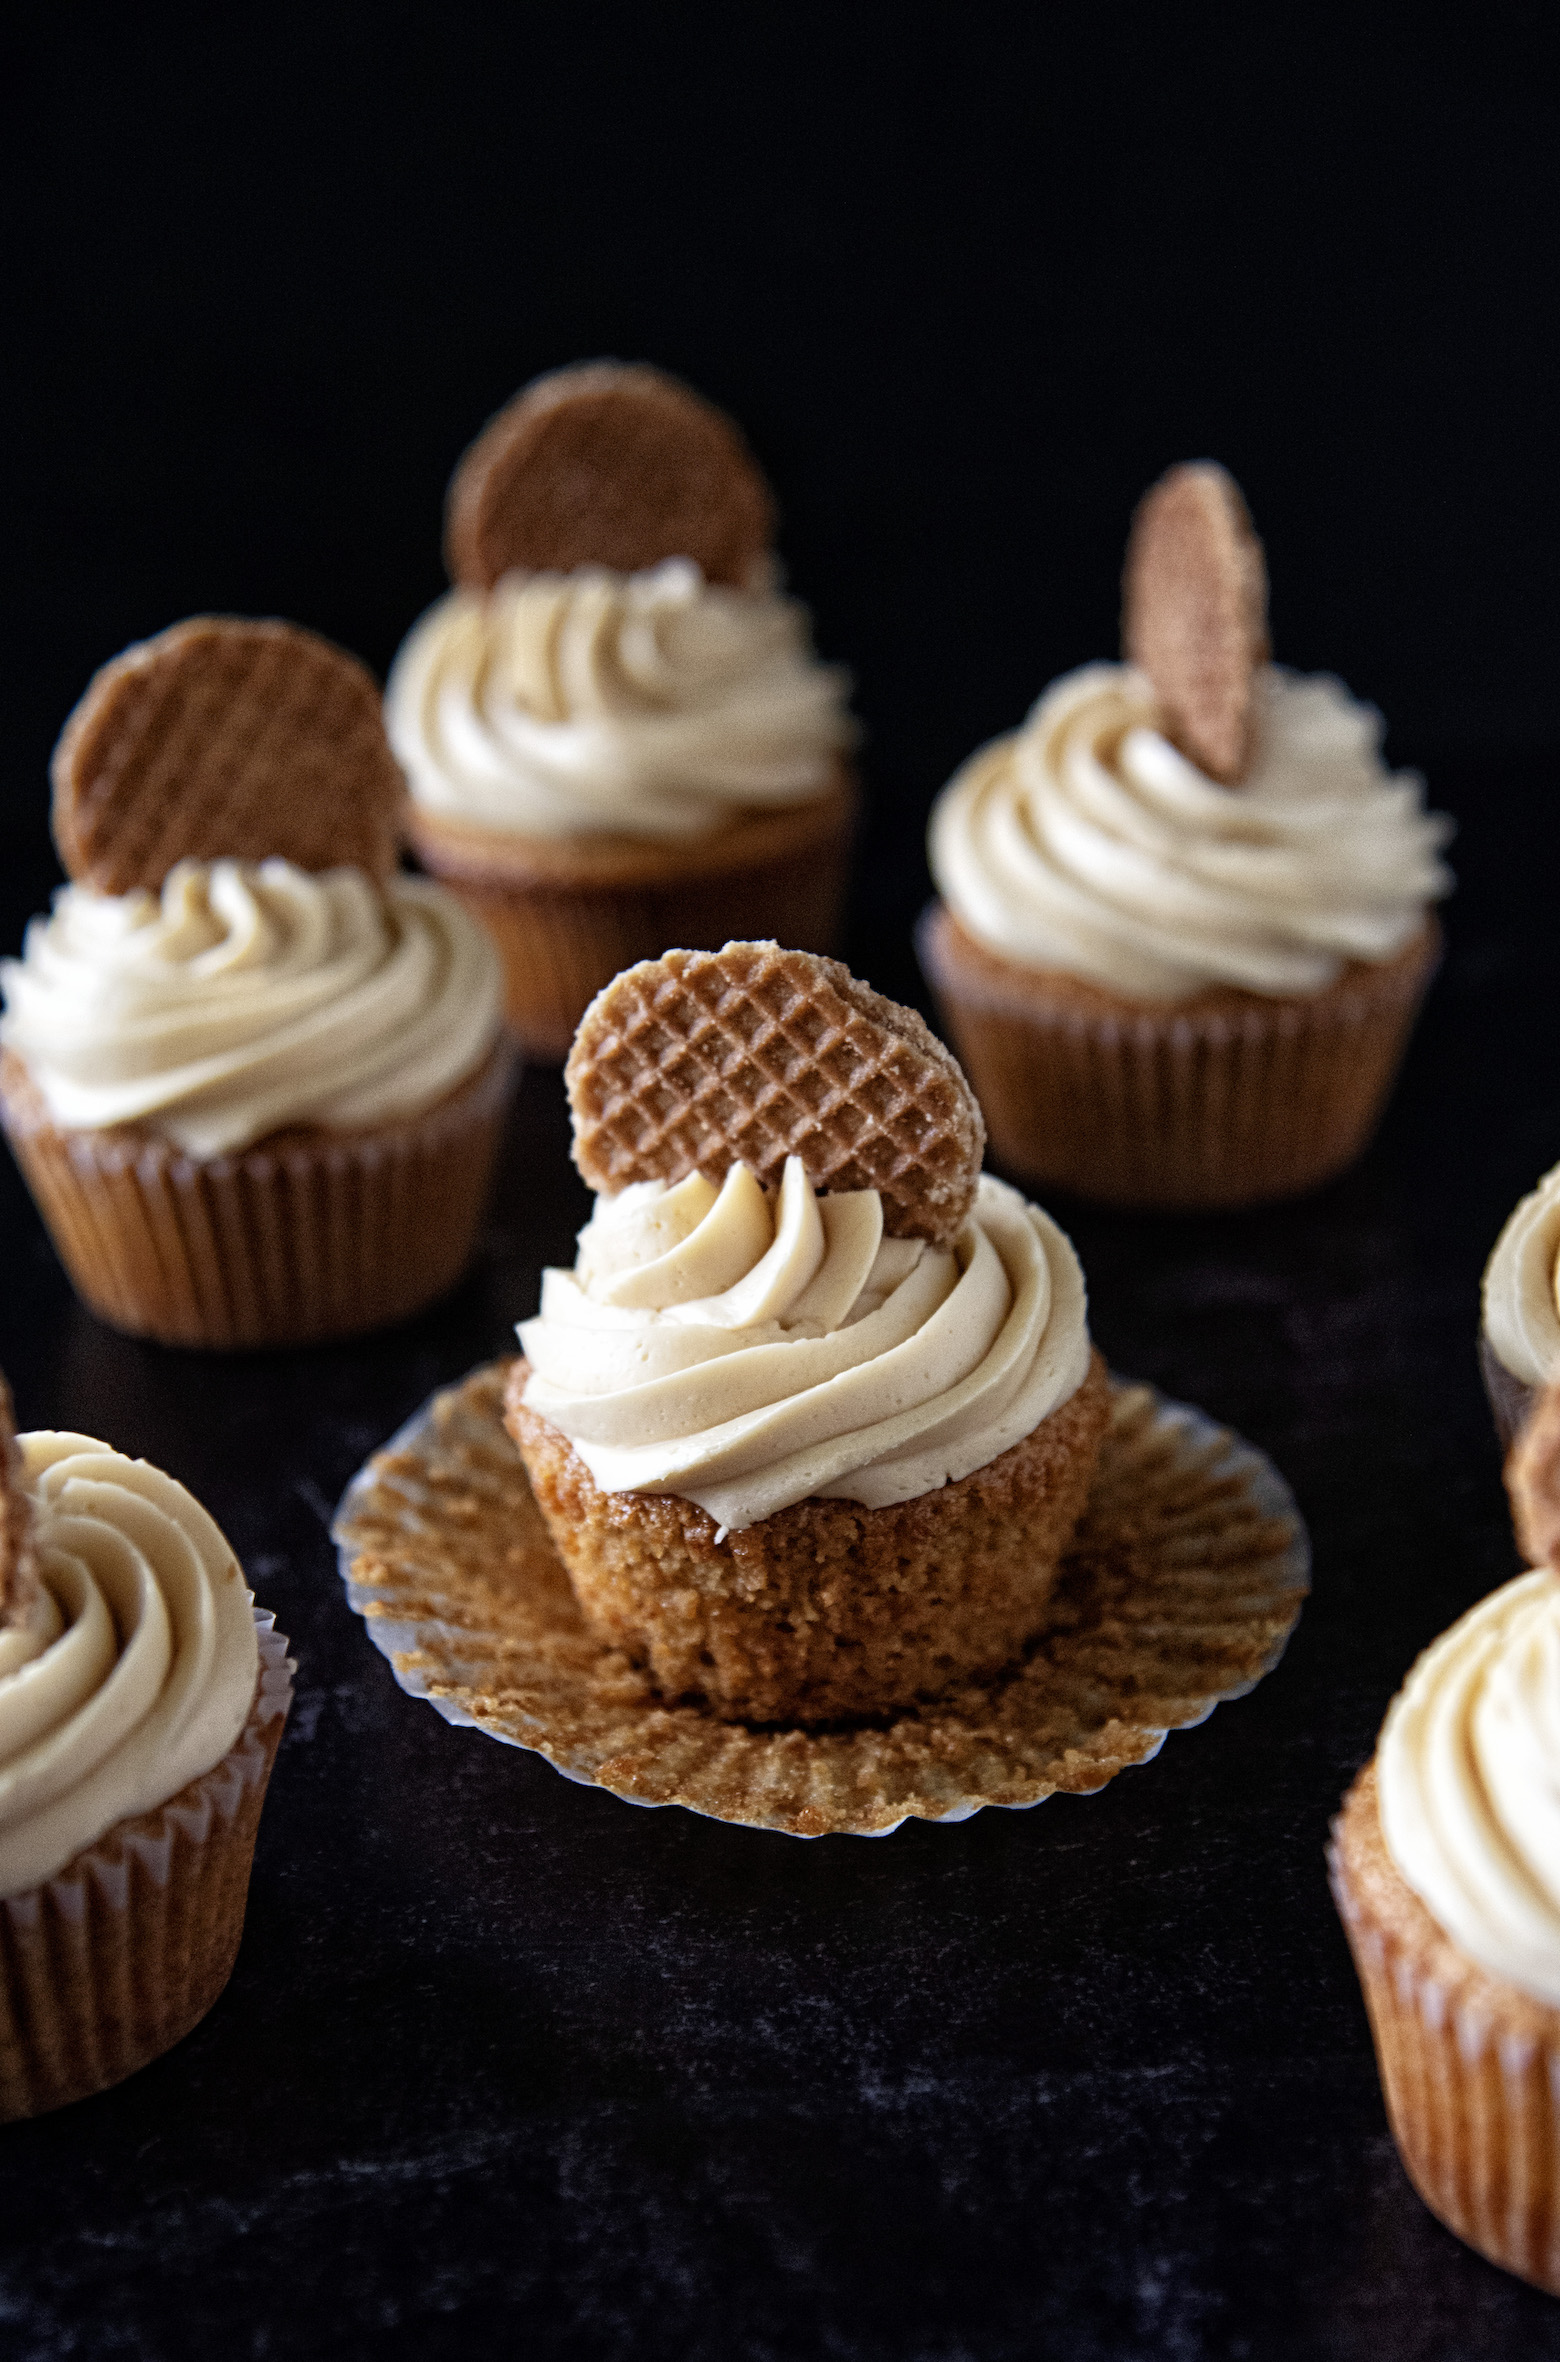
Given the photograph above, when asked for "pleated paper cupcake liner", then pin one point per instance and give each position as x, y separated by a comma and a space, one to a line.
1233, 1104
1470, 2066
113, 1960
563, 934
1181, 1589
309, 1236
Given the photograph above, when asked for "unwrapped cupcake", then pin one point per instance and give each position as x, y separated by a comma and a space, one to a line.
1519, 1341
615, 730
254, 1077
1445, 1865
814, 1416
142, 1698
1186, 912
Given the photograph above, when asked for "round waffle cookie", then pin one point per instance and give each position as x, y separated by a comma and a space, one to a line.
16, 1519
703, 1059
607, 465
1533, 1481
222, 737
1194, 611
1183, 1584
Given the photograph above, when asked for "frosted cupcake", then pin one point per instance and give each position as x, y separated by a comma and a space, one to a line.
614, 728
142, 1698
1185, 916
1519, 1345
257, 1099
1446, 1868
814, 1416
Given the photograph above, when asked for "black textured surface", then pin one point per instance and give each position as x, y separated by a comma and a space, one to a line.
506, 2065
503, 2054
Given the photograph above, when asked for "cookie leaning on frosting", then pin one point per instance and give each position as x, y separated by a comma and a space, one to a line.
814, 1416
142, 1698
253, 1077
616, 733
1185, 922
1445, 1866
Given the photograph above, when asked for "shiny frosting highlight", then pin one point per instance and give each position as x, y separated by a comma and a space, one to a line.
1522, 1287
1468, 1775
748, 1351
1086, 842
651, 705
131, 1670
250, 996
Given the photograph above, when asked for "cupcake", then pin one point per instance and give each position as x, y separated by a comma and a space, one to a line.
254, 1078
1445, 1865
142, 1698
615, 731
813, 1417
1185, 918
1519, 1342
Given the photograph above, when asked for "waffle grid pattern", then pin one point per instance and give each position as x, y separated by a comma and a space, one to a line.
225, 737
699, 1060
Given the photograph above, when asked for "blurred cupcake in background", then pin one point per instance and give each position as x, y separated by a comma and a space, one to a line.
142, 1699
615, 731
1186, 912
1445, 1865
254, 1078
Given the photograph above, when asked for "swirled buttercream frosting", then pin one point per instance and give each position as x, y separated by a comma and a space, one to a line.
652, 705
747, 1350
1522, 1287
250, 996
133, 1666
1086, 842
1468, 1775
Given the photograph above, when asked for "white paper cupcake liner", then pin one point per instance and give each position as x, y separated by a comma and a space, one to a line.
1181, 1590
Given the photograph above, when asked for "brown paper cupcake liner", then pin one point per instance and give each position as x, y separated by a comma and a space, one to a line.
111, 1962
1181, 1589
309, 1235
1229, 1100
1470, 2066
567, 922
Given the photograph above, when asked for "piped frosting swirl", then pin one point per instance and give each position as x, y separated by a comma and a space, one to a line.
1086, 842
132, 1667
651, 705
748, 1351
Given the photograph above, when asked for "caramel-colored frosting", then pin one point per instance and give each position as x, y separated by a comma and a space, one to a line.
1522, 1287
250, 996
748, 1351
652, 705
132, 1668
1087, 842
1468, 1774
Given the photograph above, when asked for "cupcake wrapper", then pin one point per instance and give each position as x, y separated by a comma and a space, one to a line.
562, 939
112, 1961
318, 1236
1474, 2109
1219, 1107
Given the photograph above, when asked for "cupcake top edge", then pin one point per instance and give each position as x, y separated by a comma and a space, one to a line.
225, 736
1520, 1291
1468, 1774
134, 1667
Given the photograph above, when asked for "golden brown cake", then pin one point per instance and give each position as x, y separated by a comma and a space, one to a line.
614, 729
254, 1078
1185, 913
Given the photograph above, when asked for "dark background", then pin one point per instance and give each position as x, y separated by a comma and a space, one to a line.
502, 2057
